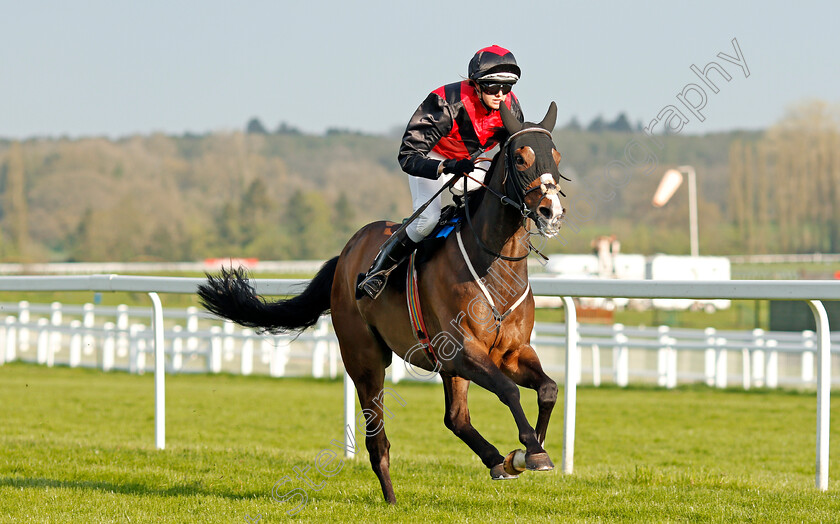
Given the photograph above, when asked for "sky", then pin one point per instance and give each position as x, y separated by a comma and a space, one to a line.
111, 68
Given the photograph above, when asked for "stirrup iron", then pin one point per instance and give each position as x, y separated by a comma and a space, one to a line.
374, 284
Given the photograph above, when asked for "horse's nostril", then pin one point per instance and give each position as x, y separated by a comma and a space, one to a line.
545, 211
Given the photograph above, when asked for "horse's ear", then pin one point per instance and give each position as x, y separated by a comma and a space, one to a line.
550, 118
512, 125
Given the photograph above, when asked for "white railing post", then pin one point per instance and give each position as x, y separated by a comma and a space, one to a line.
319, 352
23, 330
709, 369
349, 417
662, 357
138, 346
88, 321
397, 369
823, 391
334, 354
671, 364
122, 330
746, 364
160, 372
192, 327
109, 343
11, 338
771, 365
596, 365
177, 349
533, 337
55, 320
720, 364
621, 357
75, 343
570, 387
3, 341
142, 349
133, 349
246, 356
214, 355
278, 355
758, 358
43, 353
808, 338
228, 343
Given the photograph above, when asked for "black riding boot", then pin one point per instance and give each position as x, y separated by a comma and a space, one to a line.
396, 249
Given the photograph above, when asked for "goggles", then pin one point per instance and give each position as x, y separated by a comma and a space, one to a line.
493, 88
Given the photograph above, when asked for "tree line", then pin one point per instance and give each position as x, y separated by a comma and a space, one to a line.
785, 187
187, 198
288, 195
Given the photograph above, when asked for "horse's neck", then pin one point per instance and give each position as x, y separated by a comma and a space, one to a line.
500, 228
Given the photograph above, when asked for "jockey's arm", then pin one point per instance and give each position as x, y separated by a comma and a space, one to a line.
431, 121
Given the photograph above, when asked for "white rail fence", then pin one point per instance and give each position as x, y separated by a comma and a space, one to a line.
109, 338
713, 349
120, 337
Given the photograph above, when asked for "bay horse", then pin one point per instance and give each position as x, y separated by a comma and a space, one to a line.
476, 335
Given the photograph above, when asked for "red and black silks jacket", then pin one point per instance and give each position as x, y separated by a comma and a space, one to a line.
453, 122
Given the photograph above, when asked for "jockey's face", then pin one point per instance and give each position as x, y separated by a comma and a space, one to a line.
493, 101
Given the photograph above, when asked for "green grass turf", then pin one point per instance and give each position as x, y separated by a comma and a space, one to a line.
78, 446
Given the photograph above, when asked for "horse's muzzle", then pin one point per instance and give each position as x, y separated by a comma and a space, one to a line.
550, 211
549, 228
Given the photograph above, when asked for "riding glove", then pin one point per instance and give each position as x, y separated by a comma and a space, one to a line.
458, 167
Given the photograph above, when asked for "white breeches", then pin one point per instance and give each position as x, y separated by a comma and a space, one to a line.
422, 190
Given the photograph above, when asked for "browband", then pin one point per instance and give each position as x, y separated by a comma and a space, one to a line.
526, 130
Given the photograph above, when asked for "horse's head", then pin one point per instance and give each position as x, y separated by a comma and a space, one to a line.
531, 173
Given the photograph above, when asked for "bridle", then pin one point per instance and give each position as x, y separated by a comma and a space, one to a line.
513, 185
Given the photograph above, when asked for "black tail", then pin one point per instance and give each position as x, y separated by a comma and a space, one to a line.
231, 296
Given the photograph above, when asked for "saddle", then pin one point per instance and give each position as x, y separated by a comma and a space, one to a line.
450, 218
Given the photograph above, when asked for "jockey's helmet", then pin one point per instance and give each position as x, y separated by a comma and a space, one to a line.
494, 64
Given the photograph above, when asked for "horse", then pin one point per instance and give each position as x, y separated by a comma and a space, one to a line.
469, 334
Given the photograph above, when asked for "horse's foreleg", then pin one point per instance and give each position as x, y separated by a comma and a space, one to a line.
527, 371
480, 369
457, 419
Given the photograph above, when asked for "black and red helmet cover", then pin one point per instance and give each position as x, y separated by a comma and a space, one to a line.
493, 59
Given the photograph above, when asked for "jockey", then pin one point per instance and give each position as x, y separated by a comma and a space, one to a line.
451, 128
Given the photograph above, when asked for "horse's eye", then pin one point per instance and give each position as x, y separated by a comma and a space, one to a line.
519, 160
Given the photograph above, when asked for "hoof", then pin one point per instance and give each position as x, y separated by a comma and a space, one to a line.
538, 462
498, 472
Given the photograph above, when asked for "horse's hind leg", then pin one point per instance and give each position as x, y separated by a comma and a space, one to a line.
527, 371
371, 400
365, 361
457, 419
